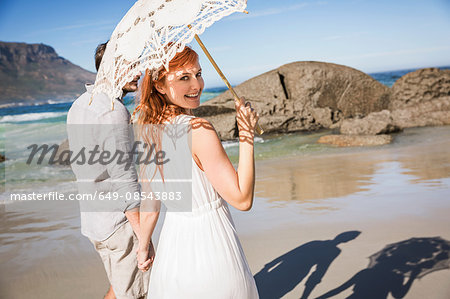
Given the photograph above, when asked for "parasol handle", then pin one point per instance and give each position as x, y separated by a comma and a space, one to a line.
258, 129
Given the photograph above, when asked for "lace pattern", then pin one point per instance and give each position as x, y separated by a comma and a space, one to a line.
142, 38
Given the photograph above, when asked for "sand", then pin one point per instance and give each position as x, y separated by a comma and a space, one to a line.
388, 194
379, 196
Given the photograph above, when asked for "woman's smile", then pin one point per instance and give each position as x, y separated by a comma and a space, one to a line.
193, 96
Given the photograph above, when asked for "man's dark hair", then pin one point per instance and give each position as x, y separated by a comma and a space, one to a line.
99, 54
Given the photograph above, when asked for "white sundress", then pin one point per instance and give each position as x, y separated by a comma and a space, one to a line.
199, 254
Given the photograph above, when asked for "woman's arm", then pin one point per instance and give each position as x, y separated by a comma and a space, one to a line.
236, 187
341, 288
149, 213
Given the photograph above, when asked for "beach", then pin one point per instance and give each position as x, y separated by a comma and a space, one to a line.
379, 195
389, 194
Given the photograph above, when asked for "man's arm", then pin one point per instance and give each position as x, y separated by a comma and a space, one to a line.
119, 142
133, 217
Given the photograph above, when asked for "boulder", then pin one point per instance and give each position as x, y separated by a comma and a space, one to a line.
355, 140
420, 86
2, 158
420, 98
342, 89
301, 96
373, 124
434, 112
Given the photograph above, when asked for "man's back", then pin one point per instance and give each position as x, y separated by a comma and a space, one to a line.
98, 128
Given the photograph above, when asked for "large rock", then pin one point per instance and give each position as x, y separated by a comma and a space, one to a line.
420, 98
355, 140
420, 86
302, 96
340, 88
2, 158
373, 124
434, 112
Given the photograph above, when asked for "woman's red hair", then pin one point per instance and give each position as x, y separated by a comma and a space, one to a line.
153, 107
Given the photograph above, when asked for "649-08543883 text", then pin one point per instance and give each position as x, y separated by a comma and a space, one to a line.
102, 196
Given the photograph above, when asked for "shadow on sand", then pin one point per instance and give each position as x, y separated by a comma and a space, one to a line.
284, 273
393, 265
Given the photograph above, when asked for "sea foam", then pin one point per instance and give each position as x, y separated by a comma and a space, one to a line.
30, 117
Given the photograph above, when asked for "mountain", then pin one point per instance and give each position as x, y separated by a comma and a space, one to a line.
31, 72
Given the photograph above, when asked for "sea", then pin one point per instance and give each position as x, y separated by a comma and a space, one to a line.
23, 124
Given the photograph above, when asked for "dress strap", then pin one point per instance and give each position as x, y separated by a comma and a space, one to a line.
184, 118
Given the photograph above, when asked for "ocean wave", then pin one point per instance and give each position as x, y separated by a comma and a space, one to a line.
259, 140
230, 143
35, 103
9, 105
54, 102
30, 117
234, 143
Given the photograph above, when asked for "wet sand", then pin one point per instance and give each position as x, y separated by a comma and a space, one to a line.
386, 194
379, 196
44, 255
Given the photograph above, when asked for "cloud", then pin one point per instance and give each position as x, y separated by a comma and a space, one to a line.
402, 52
394, 53
101, 25
334, 37
254, 68
344, 36
87, 41
273, 11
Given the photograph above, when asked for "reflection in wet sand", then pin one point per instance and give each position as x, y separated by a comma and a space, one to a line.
423, 156
429, 162
24, 220
41, 245
315, 178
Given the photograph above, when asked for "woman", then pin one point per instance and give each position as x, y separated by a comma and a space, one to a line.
199, 254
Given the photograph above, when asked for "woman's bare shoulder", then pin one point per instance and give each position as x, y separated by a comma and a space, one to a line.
202, 126
204, 134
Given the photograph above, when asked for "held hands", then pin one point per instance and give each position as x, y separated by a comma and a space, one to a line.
145, 257
246, 118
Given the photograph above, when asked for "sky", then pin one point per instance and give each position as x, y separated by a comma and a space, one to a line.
372, 36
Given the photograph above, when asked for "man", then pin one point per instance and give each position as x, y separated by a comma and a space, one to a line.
111, 218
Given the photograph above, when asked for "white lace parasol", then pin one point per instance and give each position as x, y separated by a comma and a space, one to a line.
150, 35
